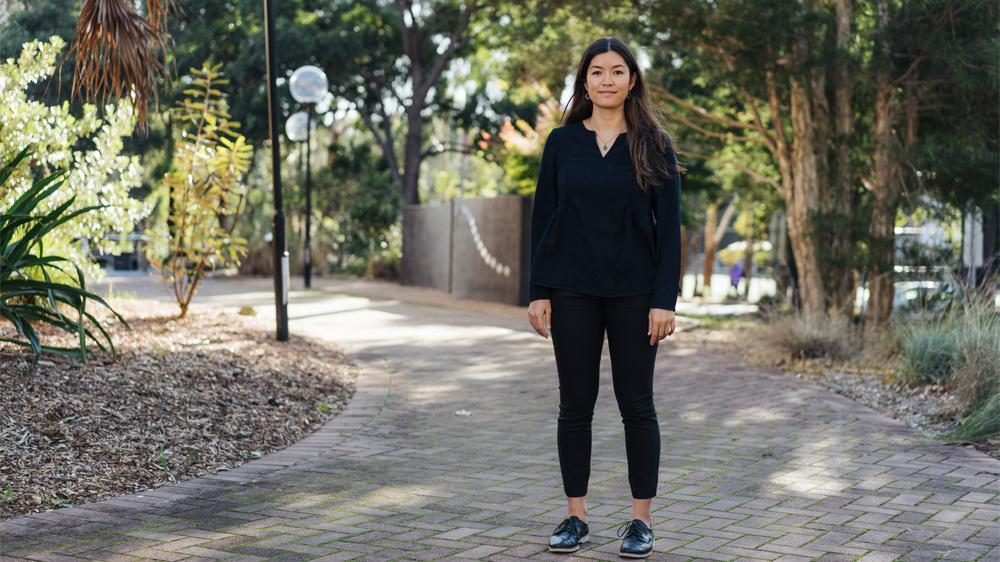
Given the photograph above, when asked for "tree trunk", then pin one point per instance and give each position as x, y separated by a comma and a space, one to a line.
710, 245
842, 286
885, 187
748, 256
804, 198
411, 157
799, 187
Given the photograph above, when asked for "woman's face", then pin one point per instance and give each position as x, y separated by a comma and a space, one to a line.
608, 80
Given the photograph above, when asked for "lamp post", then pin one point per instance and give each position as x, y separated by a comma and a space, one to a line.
278, 222
309, 87
298, 128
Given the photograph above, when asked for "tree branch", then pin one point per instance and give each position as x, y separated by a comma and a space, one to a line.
447, 147
741, 167
910, 70
385, 143
752, 102
706, 132
454, 42
702, 112
384, 85
727, 215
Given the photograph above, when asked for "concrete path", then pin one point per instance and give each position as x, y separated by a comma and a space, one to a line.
755, 465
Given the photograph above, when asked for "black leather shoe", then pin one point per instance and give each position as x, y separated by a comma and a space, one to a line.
638, 541
568, 536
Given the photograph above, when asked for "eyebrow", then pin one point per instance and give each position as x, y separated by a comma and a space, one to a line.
599, 66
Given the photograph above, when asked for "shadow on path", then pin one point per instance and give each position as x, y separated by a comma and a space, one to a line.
754, 464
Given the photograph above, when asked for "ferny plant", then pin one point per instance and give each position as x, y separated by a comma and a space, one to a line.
206, 190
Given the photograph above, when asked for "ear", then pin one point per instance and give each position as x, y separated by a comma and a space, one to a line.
631, 81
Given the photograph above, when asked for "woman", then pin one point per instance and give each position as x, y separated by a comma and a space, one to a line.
605, 255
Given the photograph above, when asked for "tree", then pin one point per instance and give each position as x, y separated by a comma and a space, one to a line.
749, 87
396, 75
931, 77
821, 92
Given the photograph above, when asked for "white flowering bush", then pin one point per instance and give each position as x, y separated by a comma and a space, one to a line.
88, 146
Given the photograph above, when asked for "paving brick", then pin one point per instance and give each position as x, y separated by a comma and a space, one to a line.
397, 474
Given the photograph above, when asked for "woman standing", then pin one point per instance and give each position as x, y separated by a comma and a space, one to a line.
605, 255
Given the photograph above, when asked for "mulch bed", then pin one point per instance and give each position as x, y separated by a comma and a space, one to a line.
182, 398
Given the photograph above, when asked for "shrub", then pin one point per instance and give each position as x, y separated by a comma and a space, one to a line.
806, 337
87, 146
929, 352
976, 378
960, 348
26, 301
206, 189
983, 423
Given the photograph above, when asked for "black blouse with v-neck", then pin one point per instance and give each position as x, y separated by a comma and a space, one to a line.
594, 230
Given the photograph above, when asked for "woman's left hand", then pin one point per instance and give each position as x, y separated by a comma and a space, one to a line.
661, 324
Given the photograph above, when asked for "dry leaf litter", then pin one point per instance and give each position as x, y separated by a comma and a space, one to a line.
182, 398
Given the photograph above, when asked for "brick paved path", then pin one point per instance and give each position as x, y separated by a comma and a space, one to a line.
755, 465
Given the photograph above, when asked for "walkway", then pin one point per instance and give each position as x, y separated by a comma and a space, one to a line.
448, 451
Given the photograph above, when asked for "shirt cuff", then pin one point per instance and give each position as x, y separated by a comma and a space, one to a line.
536, 292
665, 301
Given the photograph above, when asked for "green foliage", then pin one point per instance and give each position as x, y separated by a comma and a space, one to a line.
930, 352
206, 190
522, 146
356, 206
977, 375
26, 301
86, 145
960, 346
957, 149
982, 424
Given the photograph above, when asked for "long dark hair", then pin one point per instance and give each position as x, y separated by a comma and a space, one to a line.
648, 140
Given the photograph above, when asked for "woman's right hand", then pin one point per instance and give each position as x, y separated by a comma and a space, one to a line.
540, 316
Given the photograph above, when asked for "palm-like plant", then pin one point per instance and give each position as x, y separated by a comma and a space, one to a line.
27, 300
116, 51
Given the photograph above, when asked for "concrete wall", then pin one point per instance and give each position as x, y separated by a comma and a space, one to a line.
426, 245
475, 248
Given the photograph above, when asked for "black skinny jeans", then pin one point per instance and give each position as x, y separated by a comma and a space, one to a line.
578, 327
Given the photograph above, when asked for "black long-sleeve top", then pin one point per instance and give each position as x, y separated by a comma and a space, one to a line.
594, 230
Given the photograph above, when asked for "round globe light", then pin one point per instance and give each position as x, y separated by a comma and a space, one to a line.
308, 84
324, 104
295, 127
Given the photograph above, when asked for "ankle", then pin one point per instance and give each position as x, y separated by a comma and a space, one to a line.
645, 519
577, 506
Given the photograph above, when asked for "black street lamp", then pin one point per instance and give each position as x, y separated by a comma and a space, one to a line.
309, 86
278, 222
299, 128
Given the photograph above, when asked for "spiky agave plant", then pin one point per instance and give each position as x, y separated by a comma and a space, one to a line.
28, 295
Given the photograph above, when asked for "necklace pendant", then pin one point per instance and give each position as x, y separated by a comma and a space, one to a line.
605, 146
